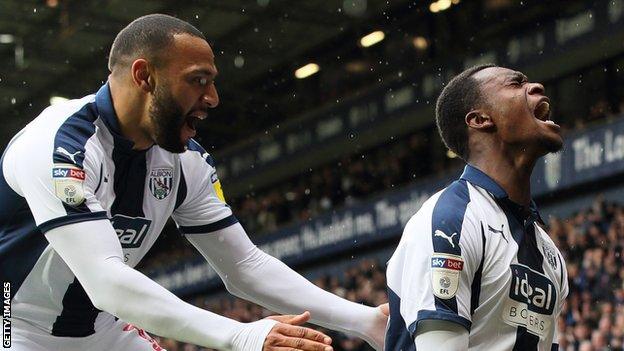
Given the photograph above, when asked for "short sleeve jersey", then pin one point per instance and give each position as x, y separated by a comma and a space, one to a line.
71, 164
473, 257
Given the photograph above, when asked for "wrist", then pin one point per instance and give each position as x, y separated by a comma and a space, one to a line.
251, 336
370, 325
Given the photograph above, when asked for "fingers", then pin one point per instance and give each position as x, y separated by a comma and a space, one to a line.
303, 333
303, 344
298, 319
285, 337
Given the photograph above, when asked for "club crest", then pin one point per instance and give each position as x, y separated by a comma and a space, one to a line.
550, 254
160, 182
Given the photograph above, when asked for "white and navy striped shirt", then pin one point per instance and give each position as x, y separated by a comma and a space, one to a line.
473, 257
71, 164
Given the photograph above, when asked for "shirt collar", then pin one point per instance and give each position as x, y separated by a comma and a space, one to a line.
106, 111
477, 177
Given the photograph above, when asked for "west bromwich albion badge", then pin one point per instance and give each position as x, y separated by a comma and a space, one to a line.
161, 182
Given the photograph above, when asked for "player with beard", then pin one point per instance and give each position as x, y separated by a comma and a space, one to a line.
86, 189
473, 269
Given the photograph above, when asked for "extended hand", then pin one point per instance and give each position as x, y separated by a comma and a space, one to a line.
289, 335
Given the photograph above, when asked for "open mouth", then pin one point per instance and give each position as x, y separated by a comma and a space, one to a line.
191, 122
193, 117
542, 113
542, 110
189, 127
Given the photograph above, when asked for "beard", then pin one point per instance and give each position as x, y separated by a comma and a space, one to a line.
167, 120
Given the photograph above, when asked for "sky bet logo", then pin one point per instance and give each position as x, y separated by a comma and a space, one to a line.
532, 288
131, 231
448, 263
64, 172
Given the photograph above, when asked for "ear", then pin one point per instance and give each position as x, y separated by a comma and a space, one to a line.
141, 75
479, 120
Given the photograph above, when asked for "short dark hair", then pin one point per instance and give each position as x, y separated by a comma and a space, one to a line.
458, 97
148, 36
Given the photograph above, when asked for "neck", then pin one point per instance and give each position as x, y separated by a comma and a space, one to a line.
512, 171
132, 110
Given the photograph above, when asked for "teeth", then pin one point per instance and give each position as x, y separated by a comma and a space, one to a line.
199, 114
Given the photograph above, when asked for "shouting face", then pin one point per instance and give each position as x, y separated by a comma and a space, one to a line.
184, 91
519, 111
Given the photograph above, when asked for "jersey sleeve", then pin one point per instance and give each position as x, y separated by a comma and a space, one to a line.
204, 209
433, 273
56, 174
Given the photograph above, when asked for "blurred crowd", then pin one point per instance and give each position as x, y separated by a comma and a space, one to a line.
343, 182
592, 242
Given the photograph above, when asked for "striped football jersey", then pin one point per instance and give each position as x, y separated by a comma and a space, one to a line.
473, 257
72, 164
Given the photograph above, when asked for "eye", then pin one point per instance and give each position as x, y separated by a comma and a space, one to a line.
518, 81
202, 81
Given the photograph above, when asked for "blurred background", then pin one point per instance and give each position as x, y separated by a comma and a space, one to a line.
325, 141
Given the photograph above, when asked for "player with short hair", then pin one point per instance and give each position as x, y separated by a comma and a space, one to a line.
86, 189
474, 270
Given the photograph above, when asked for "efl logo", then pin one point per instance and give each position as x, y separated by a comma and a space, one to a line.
63, 172
131, 231
532, 288
448, 263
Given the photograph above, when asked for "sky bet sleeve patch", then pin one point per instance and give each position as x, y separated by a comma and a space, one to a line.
445, 271
69, 183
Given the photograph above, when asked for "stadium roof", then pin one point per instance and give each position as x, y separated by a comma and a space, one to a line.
60, 47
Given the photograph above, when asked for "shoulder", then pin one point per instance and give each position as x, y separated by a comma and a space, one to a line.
197, 159
197, 162
196, 152
445, 220
52, 146
60, 132
451, 207
74, 127
447, 207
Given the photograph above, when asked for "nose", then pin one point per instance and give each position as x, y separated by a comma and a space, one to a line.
536, 89
211, 96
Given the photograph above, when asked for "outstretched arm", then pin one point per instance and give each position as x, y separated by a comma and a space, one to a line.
251, 274
93, 253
